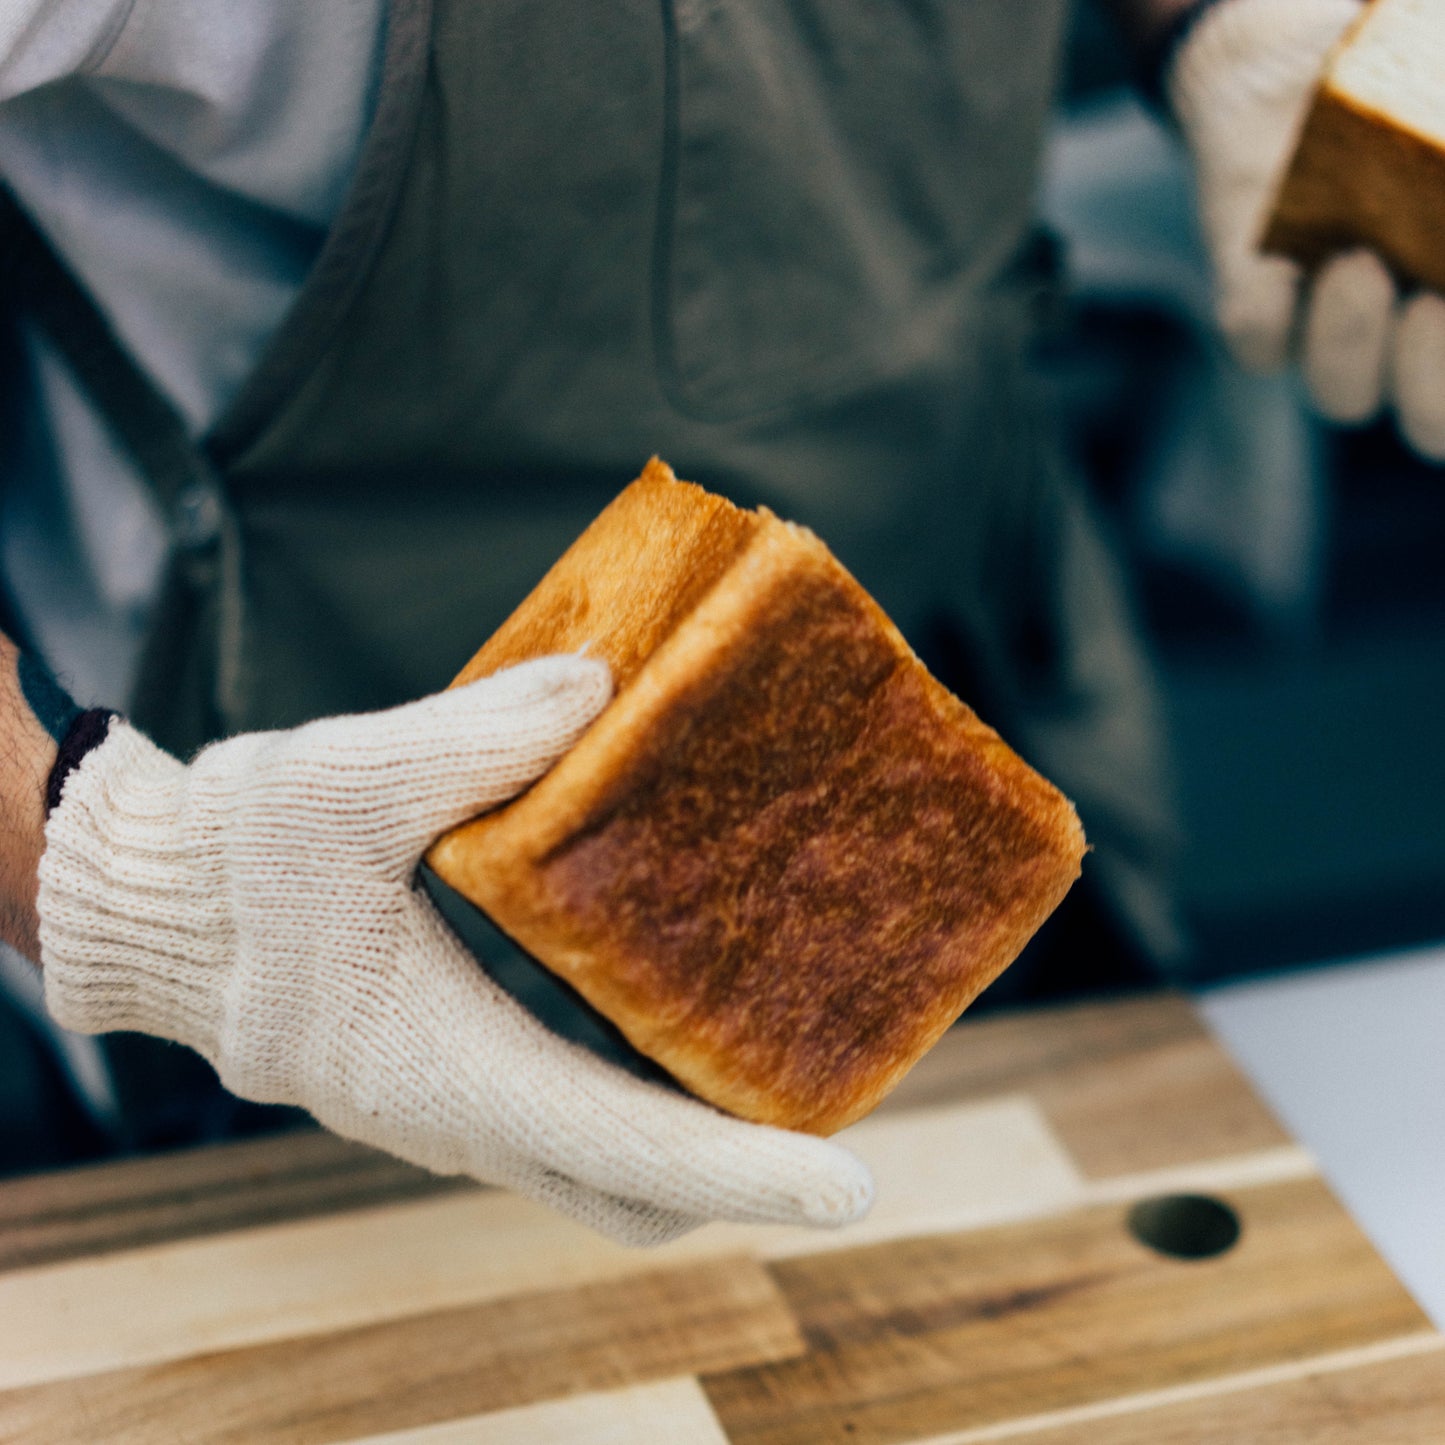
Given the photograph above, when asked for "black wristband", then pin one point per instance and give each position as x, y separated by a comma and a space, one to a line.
54, 708
87, 730
1158, 57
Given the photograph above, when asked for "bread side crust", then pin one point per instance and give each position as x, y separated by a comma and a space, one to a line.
1358, 178
785, 858
627, 582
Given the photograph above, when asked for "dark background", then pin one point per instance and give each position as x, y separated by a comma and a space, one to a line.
1306, 722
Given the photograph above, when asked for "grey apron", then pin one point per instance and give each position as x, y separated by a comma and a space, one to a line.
775, 242
782, 243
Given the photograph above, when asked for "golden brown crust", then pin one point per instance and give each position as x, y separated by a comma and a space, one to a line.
1358, 178
785, 858
623, 586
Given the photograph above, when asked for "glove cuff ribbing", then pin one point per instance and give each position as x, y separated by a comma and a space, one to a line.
134, 928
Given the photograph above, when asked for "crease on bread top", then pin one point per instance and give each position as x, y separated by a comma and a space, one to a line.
784, 858
1369, 166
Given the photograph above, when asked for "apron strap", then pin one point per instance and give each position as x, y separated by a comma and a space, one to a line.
141, 418
188, 668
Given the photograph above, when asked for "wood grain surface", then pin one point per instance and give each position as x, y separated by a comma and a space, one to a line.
1359, 1400
906, 1340
195, 1192
303, 1290
1127, 1086
436, 1367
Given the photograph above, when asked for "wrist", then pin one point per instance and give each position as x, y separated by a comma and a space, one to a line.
27, 755
133, 928
1158, 41
1145, 22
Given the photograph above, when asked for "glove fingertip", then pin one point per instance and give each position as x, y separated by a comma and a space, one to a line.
528, 715
1350, 318
843, 1197
1418, 375
1423, 427
571, 682
1257, 313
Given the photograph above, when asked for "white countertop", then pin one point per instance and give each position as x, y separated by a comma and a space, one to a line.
1352, 1058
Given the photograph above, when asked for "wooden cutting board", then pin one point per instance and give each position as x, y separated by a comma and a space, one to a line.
300, 1289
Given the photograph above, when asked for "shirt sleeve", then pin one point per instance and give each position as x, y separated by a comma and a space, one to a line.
42, 41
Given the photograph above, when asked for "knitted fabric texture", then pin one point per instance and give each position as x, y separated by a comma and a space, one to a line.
260, 906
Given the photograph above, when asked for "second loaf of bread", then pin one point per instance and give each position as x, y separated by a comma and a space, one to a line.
785, 858
1369, 166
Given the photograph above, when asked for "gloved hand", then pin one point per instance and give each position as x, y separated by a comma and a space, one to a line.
1240, 87
259, 905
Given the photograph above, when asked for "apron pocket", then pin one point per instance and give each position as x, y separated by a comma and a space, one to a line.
826, 166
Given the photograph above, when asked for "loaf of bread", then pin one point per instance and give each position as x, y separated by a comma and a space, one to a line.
785, 858
1370, 165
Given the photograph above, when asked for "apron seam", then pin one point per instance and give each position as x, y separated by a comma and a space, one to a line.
351, 246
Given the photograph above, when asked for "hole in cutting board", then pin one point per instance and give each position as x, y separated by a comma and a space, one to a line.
1185, 1226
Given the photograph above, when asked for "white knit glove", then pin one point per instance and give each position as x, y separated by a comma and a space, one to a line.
260, 905
1240, 87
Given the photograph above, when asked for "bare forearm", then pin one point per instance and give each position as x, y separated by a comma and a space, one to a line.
27, 754
1145, 21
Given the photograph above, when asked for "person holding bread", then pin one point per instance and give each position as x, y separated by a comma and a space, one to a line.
327, 329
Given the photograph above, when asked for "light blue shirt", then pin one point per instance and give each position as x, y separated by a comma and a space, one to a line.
185, 157
186, 160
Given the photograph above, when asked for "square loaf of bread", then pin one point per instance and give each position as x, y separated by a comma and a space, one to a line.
785, 858
1369, 169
